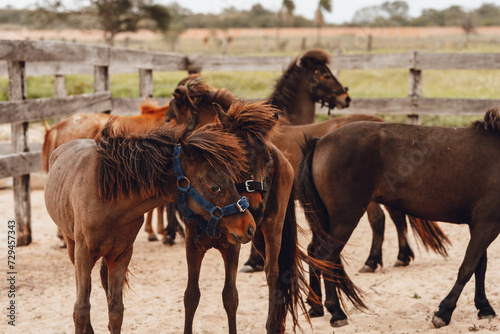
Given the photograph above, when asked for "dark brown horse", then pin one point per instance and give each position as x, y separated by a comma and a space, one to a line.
445, 174
268, 186
98, 191
308, 80
194, 96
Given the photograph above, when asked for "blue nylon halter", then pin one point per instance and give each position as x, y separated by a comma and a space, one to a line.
202, 225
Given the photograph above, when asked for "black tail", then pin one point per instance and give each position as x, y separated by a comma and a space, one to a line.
292, 282
318, 219
430, 234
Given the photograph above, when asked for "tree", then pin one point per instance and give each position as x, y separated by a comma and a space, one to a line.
287, 8
394, 13
318, 15
114, 16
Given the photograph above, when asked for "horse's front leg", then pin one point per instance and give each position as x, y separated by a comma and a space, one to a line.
276, 311
230, 293
480, 300
160, 229
148, 226
194, 256
116, 277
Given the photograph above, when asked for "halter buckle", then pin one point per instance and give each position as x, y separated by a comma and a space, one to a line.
240, 208
247, 186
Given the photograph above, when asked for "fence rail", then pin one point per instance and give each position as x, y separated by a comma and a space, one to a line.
19, 59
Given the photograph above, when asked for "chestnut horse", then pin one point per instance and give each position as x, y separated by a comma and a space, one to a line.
87, 126
445, 174
98, 191
194, 94
268, 185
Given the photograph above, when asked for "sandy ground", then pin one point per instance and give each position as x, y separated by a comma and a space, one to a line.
400, 300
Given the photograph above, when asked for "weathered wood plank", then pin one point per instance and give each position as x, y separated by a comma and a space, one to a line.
53, 51
372, 61
17, 164
457, 61
39, 109
135, 59
240, 63
447, 106
123, 106
373, 106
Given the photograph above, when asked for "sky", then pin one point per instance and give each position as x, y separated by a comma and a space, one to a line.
343, 10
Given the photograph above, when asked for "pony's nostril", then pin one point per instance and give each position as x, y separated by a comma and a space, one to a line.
250, 232
348, 99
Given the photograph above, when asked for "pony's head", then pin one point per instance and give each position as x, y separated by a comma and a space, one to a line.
192, 102
254, 123
141, 165
324, 86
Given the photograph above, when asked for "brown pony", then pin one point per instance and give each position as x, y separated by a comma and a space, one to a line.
306, 81
88, 126
445, 174
271, 203
98, 191
192, 93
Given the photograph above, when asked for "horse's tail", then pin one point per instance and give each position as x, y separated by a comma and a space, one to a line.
49, 145
104, 276
292, 281
430, 234
318, 219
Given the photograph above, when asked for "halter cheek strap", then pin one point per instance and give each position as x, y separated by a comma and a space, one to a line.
210, 227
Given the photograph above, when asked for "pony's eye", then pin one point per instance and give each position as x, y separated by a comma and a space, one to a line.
216, 189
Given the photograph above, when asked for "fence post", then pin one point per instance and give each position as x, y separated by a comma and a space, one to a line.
22, 199
101, 80
59, 90
145, 83
414, 91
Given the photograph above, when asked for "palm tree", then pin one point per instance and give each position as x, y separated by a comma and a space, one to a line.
287, 8
318, 15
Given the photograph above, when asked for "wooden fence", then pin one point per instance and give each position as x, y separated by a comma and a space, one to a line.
19, 59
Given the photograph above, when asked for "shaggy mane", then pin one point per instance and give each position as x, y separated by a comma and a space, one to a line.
253, 120
139, 164
491, 120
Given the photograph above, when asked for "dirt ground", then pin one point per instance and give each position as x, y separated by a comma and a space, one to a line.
400, 300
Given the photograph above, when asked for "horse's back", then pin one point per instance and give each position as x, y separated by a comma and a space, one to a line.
405, 166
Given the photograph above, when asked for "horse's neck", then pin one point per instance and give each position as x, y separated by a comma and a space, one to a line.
298, 104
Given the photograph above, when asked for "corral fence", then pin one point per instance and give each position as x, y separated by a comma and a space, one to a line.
19, 59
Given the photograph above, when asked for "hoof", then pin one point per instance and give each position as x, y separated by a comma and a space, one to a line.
249, 269
487, 314
339, 323
62, 244
168, 240
367, 269
400, 263
438, 322
315, 312
152, 238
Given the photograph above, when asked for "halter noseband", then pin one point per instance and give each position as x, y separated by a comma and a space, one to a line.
210, 227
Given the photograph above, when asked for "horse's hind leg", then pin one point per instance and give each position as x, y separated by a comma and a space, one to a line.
172, 224
230, 293
376, 217
194, 256
254, 263
405, 254
84, 263
117, 271
160, 229
315, 296
148, 227
480, 300
482, 234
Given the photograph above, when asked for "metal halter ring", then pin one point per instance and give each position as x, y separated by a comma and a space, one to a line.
182, 179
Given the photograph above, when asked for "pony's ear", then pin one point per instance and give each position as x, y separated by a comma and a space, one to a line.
223, 118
